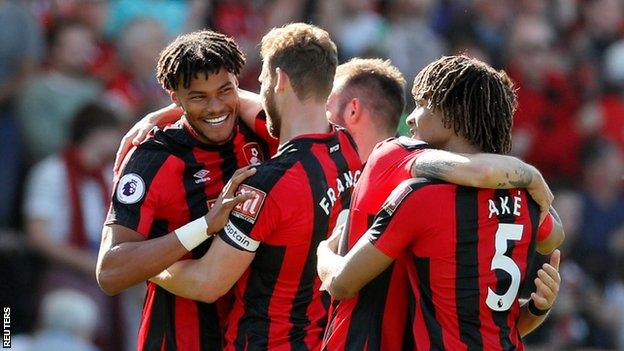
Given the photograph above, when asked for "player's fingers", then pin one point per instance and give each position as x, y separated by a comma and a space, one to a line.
141, 134
543, 214
123, 149
237, 200
544, 290
547, 279
540, 302
555, 259
236, 180
552, 272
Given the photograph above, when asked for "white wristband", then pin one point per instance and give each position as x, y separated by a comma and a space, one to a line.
193, 233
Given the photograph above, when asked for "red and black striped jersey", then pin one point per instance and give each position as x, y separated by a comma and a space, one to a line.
299, 194
469, 250
166, 182
377, 318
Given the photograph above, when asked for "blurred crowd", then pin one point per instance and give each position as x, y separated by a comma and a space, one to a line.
76, 74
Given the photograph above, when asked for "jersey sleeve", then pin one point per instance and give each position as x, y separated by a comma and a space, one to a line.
261, 130
395, 227
253, 220
545, 228
137, 191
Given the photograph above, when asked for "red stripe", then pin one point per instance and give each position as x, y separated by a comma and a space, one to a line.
146, 316
186, 324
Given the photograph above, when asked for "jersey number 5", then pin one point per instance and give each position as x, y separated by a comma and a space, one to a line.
504, 233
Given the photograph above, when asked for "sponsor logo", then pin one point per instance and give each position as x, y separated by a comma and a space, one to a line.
334, 148
130, 188
240, 238
201, 176
249, 209
253, 153
395, 198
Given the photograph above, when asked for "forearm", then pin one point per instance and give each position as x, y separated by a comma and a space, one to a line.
126, 264
555, 238
527, 322
478, 170
185, 279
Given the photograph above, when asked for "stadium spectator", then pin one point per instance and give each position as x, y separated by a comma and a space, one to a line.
602, 208
68, 321
544, 123
135, 90
21, 49
65, 205
49, 100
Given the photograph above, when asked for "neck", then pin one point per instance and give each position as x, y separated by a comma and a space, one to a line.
366, 138
460, 145
302, 118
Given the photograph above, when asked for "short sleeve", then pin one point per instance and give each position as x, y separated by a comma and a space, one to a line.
252, 221
137, 191
545, 228
395, 227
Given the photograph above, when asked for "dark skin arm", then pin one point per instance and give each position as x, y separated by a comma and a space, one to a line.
126, 258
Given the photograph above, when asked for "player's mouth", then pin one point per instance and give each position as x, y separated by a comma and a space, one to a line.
216, 121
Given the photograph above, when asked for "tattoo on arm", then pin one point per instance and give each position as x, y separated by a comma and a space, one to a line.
435, 169
521, 177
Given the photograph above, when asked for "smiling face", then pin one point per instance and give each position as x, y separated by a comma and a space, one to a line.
210, 105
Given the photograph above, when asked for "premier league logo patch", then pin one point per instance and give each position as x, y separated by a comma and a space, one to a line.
130, 189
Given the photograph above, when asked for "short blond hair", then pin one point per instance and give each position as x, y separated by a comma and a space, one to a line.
379, 85
308, 56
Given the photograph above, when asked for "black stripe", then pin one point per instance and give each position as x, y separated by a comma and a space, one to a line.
383, 218
503, 278
341, 167
146, 161
408, 334
427, 307
467, 267
318, 185
159, 228
196, 201
254, 324
162, 321
367, 315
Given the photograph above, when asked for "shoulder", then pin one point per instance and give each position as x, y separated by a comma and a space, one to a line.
418, 191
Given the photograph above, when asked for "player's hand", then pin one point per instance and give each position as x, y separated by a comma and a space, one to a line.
541, 193
547, 283
219, 214
139, 131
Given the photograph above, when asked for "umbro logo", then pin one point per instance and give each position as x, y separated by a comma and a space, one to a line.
201, 176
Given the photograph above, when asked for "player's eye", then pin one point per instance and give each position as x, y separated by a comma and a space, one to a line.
197, 98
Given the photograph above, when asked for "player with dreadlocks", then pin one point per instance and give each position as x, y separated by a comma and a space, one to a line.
466, 250
166, 185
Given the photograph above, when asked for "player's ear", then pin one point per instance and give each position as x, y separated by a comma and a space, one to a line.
174, 97
353, 111
282, 79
